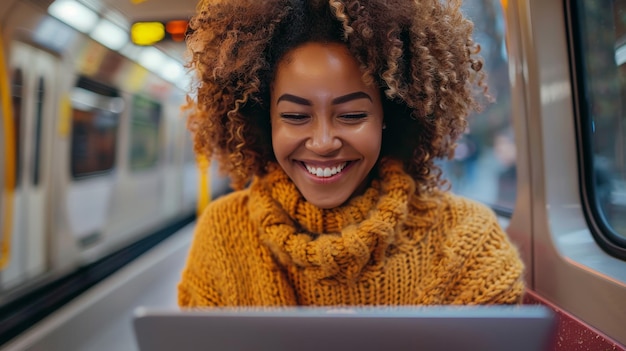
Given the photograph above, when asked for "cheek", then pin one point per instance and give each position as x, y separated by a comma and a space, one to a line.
276, 140
369, 140
371, 147
284, 141
275, 134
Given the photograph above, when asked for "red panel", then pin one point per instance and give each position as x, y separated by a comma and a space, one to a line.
574, 334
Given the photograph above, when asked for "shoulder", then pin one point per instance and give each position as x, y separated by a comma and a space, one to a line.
467, 224
462, 209
457, 219
469, 240
444, 209
226, 211
222, 229
226, 203
470, 219
221, 223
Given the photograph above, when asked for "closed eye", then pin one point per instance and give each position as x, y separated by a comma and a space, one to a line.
294, 117
353, 116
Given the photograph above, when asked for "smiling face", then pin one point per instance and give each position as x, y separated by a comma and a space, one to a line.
326, 122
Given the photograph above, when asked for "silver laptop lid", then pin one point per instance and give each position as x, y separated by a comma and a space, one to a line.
440, 328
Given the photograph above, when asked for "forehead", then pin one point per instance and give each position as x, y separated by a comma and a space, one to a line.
318, 65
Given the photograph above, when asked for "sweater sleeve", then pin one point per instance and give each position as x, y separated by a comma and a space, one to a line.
492, 271
209, 277
197, 287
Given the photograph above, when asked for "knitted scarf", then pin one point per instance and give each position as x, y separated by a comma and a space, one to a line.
337, 243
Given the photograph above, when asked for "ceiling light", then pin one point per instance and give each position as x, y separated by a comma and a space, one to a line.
74, 14
152, 59
109, 35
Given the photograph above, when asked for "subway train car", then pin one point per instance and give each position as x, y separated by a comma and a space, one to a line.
95, 157
95, 160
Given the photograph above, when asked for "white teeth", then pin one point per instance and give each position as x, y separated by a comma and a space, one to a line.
326, 172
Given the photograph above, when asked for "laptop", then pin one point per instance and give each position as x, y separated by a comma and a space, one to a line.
436, 328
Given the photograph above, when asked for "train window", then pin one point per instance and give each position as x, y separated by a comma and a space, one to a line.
600, 48
38, 120
483, 166
17, 92
144, 142
95, 119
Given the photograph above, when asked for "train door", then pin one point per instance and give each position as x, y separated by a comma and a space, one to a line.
33, 76
138, 193
96, 110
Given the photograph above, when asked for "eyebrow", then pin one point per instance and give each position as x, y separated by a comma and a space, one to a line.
336, 101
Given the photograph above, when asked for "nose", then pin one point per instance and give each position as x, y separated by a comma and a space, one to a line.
323, 139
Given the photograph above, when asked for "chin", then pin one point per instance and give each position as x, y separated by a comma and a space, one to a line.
325, 203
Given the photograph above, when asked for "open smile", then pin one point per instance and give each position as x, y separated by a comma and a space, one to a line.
325, 171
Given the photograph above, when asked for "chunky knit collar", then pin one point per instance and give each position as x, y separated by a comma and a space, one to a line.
333, 243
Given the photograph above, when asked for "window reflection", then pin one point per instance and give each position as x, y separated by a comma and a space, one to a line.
144, 149
599, 32
601, 35
95, 120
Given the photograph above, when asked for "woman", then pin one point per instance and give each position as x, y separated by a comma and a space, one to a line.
328, 116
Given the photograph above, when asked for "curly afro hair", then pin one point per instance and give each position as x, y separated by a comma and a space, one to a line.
419, 52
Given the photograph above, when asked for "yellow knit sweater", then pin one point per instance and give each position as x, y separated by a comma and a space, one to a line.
266, 246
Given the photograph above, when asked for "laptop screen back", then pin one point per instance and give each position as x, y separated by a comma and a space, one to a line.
440, 328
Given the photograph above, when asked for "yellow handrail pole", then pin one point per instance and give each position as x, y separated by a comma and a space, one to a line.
9, 146
204, 184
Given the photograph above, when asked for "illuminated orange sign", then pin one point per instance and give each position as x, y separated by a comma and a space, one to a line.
177, 29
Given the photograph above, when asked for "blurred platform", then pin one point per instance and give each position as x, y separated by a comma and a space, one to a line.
101, 318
